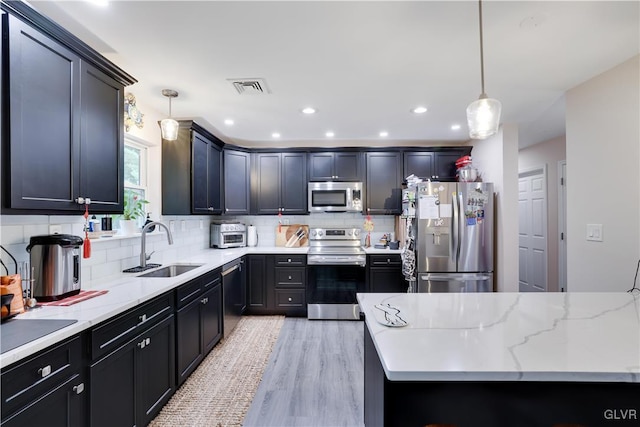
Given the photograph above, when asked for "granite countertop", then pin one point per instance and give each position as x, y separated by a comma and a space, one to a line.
508, 336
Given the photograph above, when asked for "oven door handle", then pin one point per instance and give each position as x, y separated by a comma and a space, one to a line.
333, 261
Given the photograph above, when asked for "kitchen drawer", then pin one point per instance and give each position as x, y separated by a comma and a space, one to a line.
294, 277
290, 298
282, 260
385, 260
190, 290
27, 381
118, 330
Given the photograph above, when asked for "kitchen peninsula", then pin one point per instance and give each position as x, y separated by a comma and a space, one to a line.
502, 359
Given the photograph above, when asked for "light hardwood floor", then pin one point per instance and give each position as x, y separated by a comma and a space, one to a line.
315, 377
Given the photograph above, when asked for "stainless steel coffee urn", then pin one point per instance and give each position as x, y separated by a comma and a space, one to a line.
55, 262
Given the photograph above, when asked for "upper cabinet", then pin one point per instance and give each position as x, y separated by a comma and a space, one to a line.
338, 166
63, 119
279, 183
439, 164
236, 182
384, 181
192, 172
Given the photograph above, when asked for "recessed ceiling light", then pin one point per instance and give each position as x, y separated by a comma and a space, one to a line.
384, 133
309, 110
329, 134
455, 127
275, 135
419, 110
101, 3
228, 122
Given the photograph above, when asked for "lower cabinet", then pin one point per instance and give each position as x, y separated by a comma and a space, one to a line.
132, 372
47, 389
198, 322
276, 284
385, 274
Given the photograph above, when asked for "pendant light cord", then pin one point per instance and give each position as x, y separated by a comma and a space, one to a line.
171, 97
481, 50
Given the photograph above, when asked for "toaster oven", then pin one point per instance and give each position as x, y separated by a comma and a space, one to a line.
228, 235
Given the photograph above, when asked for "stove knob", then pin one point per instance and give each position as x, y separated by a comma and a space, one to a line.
321, 233
356, 232
350, 233
313, 233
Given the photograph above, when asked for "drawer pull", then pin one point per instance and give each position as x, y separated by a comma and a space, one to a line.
289, 260
388, 261
290, 299
78, 388
204, 300
143, 318
145, 342
289, 277
45, 371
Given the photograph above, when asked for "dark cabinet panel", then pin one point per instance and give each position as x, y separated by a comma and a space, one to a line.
236, 182
212, 317
418, 163
384, 180
267, 184
293, 183
192, 172
257, 300
102, 137
190, 351
276, 284
44, 110
280, 183
445, 165
385, 274
338, 166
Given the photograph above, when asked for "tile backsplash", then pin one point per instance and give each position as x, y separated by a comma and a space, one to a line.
109, 256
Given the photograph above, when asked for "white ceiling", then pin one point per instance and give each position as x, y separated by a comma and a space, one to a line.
364, 65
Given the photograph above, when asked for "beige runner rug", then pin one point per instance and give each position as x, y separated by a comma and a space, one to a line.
219, 392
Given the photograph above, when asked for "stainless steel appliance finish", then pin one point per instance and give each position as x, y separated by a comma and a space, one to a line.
56, 263
335, 197
225, 235
233, 295
336, 272
143, 241
454, 235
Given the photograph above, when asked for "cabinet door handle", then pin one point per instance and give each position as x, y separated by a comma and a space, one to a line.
289, 260
388, 261
210, 208
289, 277
147, 341
143, 318
141, 344
45, 371
78, 388
204, 300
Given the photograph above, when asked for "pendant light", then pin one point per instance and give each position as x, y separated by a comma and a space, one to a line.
169, 127
483, 115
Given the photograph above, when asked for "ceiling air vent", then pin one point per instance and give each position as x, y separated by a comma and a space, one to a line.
250, 86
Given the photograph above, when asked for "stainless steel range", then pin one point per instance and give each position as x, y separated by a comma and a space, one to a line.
336, 264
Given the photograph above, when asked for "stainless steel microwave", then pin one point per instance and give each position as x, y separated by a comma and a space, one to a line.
335, 197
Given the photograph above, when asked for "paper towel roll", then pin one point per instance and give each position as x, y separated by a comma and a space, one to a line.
252, 236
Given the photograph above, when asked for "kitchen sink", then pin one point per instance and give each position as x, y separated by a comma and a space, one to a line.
171, 270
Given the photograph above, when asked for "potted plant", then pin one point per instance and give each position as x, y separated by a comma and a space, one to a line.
133, 209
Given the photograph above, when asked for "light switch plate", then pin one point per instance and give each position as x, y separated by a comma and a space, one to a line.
594, 232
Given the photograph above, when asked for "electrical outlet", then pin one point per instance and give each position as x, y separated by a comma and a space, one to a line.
201, 225
172, 226
183, 225
55, 228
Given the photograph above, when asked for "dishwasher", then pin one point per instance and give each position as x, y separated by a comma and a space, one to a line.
233, 295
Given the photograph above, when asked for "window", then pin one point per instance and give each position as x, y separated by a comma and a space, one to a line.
135, 171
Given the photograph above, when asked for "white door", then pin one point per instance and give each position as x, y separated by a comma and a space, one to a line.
532, 216
562, 226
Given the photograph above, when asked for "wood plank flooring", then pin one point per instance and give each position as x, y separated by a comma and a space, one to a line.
315, 377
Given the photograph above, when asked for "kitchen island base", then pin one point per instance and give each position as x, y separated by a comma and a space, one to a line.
493, 403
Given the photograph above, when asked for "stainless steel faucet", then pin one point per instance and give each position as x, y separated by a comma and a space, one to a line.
143, 241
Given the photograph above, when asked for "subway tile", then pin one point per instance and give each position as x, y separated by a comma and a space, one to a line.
107, 269
12, 234
119, 253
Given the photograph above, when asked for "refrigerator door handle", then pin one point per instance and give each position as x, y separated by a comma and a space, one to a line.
455, 229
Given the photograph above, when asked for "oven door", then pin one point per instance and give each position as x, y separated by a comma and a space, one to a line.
332, 289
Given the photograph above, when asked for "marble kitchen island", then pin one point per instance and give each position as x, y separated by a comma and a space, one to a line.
503, 359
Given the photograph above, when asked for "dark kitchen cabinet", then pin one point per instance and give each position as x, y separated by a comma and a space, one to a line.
439, 164
63, 119
198, 321
236, 182
280, 183
384, 181
133, 365
338, 166
192, 172
276, 284
384, 274
46, 389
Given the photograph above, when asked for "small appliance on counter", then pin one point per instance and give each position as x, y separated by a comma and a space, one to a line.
55, 260
227, 234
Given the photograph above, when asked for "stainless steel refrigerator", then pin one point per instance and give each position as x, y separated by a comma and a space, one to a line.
453, 229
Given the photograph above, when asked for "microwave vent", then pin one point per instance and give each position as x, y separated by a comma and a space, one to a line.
250, 86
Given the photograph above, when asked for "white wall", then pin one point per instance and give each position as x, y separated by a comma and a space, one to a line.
548, 153
603, 179
497, 160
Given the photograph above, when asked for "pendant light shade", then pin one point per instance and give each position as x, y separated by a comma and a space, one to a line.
483, 115
169, 127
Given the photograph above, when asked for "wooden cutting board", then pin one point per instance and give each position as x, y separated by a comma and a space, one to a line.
292, 236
